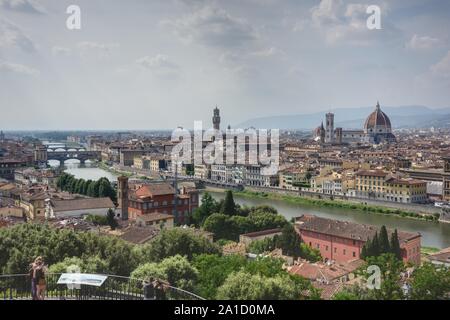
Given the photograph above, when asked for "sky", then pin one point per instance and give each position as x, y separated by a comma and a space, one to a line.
159, 64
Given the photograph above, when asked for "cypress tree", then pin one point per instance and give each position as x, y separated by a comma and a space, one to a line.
375, 250
229, 207
395, 245
384, 241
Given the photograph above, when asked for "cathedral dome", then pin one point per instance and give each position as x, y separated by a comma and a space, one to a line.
377, 122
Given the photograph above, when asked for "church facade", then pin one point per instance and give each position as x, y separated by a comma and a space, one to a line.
377, 129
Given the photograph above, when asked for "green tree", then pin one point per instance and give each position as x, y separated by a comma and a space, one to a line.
395, 245
221, 225
205, 210
245, 286
384, 240
391, 269
111, 219
228, 207
180, 241
177, 270
431, 282
310, 254
289, 241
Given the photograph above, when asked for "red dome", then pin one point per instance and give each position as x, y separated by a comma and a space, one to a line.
377, 119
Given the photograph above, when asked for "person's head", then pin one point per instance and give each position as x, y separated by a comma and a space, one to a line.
38, 260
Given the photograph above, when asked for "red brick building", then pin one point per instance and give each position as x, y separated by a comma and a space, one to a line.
342, 241
160, 198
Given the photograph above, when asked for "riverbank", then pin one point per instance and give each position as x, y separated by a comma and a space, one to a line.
369, 209
104, 166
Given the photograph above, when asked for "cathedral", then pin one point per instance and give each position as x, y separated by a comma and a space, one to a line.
377, 129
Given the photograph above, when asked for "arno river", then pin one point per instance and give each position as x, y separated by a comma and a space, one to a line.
434, 234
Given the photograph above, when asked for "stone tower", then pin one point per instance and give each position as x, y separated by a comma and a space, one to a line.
446, 182
322, 133
216, 119
339, 135
329, 135
122, 196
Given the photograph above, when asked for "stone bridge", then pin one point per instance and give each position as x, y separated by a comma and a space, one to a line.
82, 156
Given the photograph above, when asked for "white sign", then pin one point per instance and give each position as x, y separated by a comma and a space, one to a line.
82, 278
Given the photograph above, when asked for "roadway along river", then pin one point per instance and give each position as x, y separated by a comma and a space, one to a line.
434, 234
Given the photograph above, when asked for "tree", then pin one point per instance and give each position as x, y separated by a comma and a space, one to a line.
176, 270
289, 241
228, 207
242, 285
375, 246
384, 240
310, 254
180, 241
213, 270
263, 245
431, 282
395, 245
205, 210
111, 219
391, 269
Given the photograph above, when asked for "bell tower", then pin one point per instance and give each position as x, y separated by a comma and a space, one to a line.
122, 196
216, 119
329, 135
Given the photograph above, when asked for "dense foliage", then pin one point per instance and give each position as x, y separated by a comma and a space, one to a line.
184, 242
381, 244
96, 189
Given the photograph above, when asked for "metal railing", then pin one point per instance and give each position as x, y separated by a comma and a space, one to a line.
18, 287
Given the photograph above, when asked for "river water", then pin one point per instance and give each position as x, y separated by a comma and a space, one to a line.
434, 234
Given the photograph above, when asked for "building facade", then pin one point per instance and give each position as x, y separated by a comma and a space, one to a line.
342, 241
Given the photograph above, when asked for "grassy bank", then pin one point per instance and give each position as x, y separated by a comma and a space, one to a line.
105, 167
335, 204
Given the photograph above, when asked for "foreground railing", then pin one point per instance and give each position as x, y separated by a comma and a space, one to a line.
18, 287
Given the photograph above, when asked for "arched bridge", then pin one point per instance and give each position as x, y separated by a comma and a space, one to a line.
82, 156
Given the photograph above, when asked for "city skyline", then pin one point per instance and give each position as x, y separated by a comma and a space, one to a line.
159, 65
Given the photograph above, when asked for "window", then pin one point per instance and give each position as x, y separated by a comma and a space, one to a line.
326, 248
344, 252
318, 246
354, 254
335, 250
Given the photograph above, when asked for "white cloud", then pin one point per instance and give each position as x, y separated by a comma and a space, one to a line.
27, 6
17, 68
160, 65
347, 23
102, 50
12, 37
442, 68
422, 42
214, 27
269, 52
61, 51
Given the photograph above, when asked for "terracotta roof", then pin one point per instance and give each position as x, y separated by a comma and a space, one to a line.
261, 233
377, 118
81, 204
345, 229
140, 235
156, 189
441, 256
372, 173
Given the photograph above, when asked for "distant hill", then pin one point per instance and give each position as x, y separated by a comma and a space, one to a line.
353, 118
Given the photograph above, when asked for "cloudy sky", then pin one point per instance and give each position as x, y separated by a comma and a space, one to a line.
151, 64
